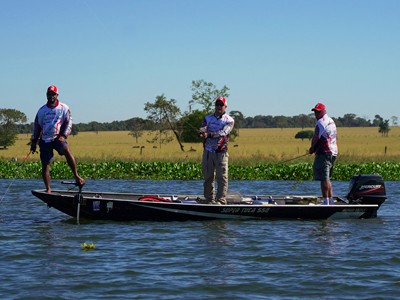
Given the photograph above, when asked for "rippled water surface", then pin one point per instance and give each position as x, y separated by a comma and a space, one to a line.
41, 255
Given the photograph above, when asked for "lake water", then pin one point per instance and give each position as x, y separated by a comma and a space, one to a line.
41, 255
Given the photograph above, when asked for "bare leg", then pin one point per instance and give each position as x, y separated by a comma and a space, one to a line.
46, 176
72, 164
326, 188
330, 190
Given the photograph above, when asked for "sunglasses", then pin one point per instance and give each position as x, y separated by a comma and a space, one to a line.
219, 104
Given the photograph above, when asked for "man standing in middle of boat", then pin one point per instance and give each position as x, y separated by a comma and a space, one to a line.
215, 130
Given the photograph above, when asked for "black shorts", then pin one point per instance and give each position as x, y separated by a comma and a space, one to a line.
46, 150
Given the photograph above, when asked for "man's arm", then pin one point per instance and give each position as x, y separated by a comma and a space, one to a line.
66, 126
224, 131
314, 141
37, 129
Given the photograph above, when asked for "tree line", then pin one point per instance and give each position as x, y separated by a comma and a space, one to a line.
259, 121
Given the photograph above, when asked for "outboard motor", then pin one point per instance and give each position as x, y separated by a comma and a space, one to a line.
366, 189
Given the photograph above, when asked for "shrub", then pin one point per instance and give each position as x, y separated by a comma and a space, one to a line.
304, 134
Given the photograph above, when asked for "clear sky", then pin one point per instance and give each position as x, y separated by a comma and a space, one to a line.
278, 57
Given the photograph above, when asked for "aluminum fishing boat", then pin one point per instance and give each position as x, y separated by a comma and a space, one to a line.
365, 196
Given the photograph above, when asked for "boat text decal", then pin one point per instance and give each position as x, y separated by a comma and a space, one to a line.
244, 210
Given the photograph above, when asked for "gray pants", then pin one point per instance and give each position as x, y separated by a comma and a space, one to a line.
215, 164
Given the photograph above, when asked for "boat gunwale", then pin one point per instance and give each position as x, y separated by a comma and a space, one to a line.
72, 194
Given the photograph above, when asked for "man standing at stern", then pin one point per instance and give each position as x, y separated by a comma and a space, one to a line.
52, 126
324, 145
215, 130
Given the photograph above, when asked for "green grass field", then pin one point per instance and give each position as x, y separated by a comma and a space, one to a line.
252, 146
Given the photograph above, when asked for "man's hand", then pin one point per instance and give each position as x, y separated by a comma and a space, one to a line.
33, 146
202, 134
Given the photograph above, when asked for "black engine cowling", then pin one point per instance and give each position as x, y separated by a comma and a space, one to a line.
367, 189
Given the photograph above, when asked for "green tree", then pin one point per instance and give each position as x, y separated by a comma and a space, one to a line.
189, 124
204, 94
8, 128
384, 127
377, 121
136, 128
164, 112
239, 120
74, 130
394, 120
95, 126
281, 121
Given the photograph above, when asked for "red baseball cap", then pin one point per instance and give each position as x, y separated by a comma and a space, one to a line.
319, 107
221, 99
52, 88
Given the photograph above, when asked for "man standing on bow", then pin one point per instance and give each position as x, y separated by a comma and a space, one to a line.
215, 130
52, 126
324, 145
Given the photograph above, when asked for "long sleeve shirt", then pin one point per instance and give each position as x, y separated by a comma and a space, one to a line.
52, 121
218, 130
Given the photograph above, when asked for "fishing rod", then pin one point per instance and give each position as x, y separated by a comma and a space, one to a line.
12, 181
297, 157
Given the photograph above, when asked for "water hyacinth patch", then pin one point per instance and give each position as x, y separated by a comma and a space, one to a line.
192, 171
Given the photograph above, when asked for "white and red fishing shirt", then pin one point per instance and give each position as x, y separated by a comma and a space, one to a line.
325, 136
52, 121
218, 129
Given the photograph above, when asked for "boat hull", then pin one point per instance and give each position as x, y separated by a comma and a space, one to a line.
129, 207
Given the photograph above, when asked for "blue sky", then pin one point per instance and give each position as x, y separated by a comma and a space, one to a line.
277, 57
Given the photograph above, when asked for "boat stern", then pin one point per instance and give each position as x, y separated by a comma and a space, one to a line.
367, 189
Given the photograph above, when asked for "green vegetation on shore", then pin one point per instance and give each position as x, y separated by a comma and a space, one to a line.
256, 154
192, 171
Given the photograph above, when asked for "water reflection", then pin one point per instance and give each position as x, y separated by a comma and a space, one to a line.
216, 233
218, 241
331, 238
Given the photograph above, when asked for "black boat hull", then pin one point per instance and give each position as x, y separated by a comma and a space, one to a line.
128, 207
